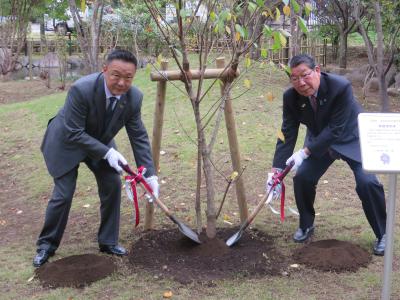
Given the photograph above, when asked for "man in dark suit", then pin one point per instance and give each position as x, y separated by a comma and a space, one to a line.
325, 104
96, 108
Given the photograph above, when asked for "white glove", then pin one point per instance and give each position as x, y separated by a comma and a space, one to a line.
113, 157
268, 185
297, 158
152, 181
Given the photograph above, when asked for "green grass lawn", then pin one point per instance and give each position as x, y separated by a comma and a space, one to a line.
27, 185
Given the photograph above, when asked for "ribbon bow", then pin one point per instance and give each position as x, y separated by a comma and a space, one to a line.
130, 185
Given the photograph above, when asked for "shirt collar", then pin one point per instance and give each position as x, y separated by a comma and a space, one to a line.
108, 93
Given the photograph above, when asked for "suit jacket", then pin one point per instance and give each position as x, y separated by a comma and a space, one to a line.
334, 126
77, 131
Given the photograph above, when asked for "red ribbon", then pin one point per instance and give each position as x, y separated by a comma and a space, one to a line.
278, 179
134, 180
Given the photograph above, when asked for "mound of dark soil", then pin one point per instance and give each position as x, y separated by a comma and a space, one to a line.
332, 255
169, 254
75, 271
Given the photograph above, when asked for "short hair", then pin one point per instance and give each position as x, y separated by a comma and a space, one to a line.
306, 59
123, 55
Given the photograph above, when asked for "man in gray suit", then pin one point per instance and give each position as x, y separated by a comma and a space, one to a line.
96, 108
325, 104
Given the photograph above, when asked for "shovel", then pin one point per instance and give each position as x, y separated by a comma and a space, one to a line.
234, 238
182, 227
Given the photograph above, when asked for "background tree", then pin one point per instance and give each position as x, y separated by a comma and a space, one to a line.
339, 14
14, 20
379, 10
88, 32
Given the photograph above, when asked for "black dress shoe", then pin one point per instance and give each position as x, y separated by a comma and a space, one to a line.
379, 246
113, 249
41, 257
301, 235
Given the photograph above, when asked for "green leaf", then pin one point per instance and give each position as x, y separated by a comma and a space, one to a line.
296, 6
252, 7
212, 16
277, 14
308, 8
228, 30
264, 53
260, 3
216, 28
267, 31
277, 41
240, 30
302, 24
286, 2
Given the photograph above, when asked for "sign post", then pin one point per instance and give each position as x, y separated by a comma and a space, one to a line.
380, 144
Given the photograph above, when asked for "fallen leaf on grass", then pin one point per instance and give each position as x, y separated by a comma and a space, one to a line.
227, 222
226, 217
167, 294
31, 278
19, 212
86, 205
3, 222
294, 265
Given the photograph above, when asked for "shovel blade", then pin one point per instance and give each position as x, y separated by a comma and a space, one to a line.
186, 230
234, 238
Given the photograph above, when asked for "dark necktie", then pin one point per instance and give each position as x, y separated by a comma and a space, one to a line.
313, 102
109, 111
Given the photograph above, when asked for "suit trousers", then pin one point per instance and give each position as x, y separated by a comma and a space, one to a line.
109, 190
369, 190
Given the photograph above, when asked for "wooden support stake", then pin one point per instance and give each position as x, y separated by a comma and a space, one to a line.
234, 148
156, 140
196, 74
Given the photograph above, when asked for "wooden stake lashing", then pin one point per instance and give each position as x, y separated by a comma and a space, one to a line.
162, 77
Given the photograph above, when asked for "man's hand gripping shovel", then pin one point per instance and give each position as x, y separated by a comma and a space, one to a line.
138, 178
277, 180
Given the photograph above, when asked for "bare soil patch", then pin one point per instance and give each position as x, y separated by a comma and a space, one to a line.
75, 271
333, 255
171, 255
24, 90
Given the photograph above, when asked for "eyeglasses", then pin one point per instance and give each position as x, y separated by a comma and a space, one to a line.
118, 77
296, 79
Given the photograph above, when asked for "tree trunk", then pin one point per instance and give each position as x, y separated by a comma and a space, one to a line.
379, 58
343, 50
89, 38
